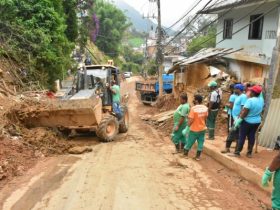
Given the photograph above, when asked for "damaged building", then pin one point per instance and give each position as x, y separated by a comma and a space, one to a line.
249, 25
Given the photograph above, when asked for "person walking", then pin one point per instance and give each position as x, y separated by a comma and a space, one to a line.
116, 97
250, 120
180, 122
215, 98
273, 169
197, 123
239, 102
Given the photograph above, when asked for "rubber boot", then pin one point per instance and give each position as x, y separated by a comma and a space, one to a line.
182, 147
250, 151
177, 148
235, 154
186, 152
197, 157
226, 150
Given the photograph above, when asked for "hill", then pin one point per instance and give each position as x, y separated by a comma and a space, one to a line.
140, 24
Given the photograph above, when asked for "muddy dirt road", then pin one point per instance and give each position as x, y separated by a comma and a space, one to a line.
136, 172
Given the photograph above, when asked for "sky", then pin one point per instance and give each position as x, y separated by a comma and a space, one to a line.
172, 10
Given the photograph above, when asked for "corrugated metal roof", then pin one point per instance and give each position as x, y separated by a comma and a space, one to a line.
271, 128
223, 4
206, 54
201, 56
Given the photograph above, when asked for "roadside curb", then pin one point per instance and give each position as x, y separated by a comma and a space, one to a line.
246, 170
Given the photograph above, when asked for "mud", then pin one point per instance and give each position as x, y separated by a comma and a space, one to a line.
137, 171
21, 147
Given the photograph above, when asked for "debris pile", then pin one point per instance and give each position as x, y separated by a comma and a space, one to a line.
167, 105
21, 147
166, 102
162, 121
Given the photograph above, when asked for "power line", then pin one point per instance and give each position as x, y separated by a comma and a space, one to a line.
241, 29
252, 11
184, 15
214, 36
205, 6
186, 26
212, 22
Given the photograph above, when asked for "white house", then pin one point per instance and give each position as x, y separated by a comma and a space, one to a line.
251, 25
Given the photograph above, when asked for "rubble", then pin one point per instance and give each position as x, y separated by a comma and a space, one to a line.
166, 102
22, 147
79, 150
162, 121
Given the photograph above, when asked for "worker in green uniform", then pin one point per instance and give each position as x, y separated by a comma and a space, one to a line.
274, 168
116, 97
180, 122
215, 99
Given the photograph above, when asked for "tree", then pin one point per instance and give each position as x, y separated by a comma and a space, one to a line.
33, 34
203, 41
131, 56
71, 19
86, 23
113, 24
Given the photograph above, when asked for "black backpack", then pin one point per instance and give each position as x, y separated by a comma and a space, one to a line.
217, 104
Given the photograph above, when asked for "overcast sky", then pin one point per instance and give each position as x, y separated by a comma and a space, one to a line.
172, 10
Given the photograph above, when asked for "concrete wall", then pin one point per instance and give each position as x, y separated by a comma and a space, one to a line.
240, 40
246, 71
191, 78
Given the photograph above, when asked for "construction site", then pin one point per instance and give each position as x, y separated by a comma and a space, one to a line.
140, 105
42, 168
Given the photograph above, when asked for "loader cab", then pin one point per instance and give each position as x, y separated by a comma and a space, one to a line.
95, 77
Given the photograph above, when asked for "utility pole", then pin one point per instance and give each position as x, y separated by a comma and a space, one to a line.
159, 51
274, 72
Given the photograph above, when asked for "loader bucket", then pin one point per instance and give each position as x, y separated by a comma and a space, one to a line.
73, 114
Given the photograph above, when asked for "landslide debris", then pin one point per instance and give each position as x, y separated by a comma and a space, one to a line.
21, 147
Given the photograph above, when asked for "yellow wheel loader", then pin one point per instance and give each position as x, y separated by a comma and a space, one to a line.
87, 106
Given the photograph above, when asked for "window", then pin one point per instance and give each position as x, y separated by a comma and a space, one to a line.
228, 26
256, 27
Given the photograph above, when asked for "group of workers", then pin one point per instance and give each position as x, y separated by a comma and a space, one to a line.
191, 124
244, 108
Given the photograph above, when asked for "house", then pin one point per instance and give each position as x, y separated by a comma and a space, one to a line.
250, 25
246, 36
195, 72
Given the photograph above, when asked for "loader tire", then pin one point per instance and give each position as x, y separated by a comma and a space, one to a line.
108, 128
124, 123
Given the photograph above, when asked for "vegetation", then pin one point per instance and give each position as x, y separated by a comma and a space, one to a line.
71, 19
134, 60
112, 26
203, 41
40, 36
136, 41
151, 67
35, 34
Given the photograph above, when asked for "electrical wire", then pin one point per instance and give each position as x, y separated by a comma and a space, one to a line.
208, 25
186, 26
205, 6
169, 28
214, 36
241, 29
